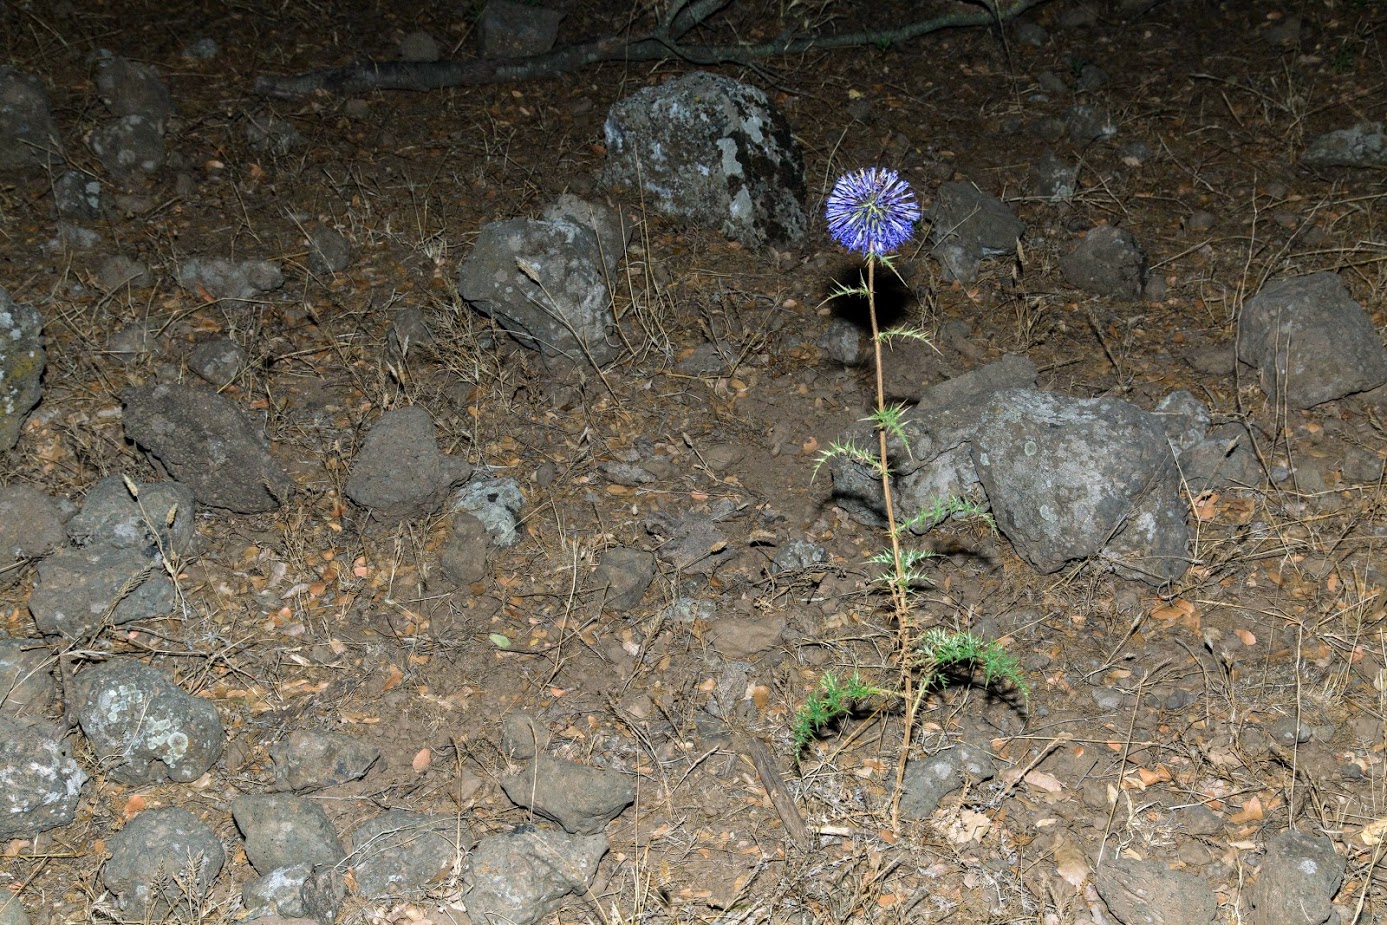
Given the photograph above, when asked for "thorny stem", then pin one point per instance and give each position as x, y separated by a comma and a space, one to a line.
898, 587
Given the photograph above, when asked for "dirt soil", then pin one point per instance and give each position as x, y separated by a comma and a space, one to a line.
1186, 724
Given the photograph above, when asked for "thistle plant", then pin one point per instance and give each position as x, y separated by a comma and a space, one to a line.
872, 213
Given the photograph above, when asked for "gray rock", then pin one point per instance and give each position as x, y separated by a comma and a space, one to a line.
81, 590
323, 893
843, 342
27, 134
278, 892
22, 359
494, 502
742, 638
1088, 122
521, 877
545, 282
580, 798
143, 726
203, 49
623, 576
1149, 893
1072, 478
1299, 877
796, 555
237, 280
308, 760
218, 361
690, 541
968, 225
1092, 77
1032, 34
27, 688
205, 442
400, 853
400, 471
929, 780
1310, 341
1054, 179
130, 88
711, 151
522, 736
129, 145
272, 135
612, 230
129, 342
410, 328
155, 516
419, 46
1185, 419
463, 555
517, 30
164, 861
31, 525
77, 195
12, 911
329, 251
40, 784
119, 270
1361, 145
282, 830
1108, 261
1010, 372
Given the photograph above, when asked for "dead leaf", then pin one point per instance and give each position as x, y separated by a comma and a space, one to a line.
393, 677
422, 759
1252, 812
1374, 832
1070, 862
1041, 780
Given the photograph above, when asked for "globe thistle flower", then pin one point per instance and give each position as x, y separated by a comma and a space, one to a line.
872, 211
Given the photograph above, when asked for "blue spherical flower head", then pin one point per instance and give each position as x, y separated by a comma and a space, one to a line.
872, 211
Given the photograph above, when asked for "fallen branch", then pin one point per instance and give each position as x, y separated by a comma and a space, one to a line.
664, 42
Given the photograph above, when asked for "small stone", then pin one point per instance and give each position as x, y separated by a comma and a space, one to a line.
219, 361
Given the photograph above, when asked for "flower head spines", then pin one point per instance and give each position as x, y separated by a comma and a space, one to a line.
872, 211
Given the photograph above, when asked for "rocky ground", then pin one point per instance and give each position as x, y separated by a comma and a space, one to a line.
323, 593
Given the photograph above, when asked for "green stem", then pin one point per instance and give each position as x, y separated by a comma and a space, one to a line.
898, 587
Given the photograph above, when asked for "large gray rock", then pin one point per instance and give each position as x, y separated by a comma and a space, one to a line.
581, 798
400, 852
1310, 341
154, 516
521, 877
1074, 478
80, 590
711, 151
31, 525
400, 471
27, 137
40, 784
205, 442
1361, 145
27, 688
1296, 886
968, 225
129, 145
163, 861
1149, 893
233, 280
131, 88
1108, 261
282, 830
143, 726
545, 282
22, 359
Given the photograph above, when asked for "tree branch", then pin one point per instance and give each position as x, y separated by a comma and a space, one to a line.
365, 76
